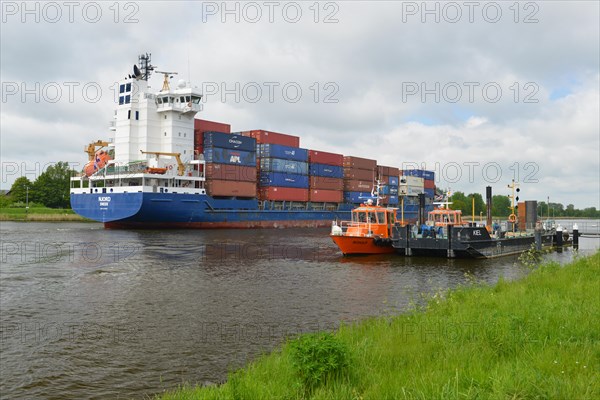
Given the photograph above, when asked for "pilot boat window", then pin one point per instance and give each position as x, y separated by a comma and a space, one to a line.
372, 217
381, 217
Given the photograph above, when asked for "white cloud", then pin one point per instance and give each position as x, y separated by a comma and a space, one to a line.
370, 56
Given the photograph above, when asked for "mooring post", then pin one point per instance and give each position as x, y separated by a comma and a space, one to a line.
559, 238
575, 237
538, 237
407, 251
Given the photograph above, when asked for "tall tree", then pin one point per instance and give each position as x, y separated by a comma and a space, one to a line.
18, 190
52, 186
500, 206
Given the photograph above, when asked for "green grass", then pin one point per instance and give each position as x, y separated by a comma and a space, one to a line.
537, 338
39, 214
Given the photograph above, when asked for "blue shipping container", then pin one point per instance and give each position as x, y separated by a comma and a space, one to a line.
393, 200
228, 141
357, 197
430, 193
287, 166
389, 189
284, 152
218, 155
393, 181
329, 171
419, 173
284, 180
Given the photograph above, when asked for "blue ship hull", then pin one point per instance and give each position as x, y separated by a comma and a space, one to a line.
152, 210
169, 210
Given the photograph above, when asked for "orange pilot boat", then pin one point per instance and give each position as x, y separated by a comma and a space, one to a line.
369, 231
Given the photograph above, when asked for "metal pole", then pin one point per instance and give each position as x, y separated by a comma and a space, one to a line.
26, 200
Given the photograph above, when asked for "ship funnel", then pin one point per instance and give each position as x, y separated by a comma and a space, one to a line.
488, 203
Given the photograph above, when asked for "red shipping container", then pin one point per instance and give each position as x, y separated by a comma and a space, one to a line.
202, 125
267, 137
231, 188
383, 171
323, 182
360, 163
277, 193
359, 174
227, 172
429, 184
328, 196
322, 157
358, 186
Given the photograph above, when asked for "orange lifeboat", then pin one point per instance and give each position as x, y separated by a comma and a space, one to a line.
101, 158
152, 170
369, 231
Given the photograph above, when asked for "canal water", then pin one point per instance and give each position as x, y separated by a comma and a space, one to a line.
89, 313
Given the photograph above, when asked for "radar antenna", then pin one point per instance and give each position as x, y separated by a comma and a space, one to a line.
167, 75
145, 69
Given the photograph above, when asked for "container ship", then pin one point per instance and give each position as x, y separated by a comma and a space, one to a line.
161, 167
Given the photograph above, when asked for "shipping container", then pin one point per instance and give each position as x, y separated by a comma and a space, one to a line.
222, 188
326, 196
359, 174
383, 170
270, 150
218, 155
360, 163
428, 184
357, 186
275, 193
229, 141
357, 197
393, 180
410, 190
420, 173
429, 193
323, 182
331, 171
202, 125
322, 157
287, 166
393, 200
273, 138
283, 180
412, 181
229, 172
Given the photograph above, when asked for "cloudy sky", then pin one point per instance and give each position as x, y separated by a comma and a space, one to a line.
480, 92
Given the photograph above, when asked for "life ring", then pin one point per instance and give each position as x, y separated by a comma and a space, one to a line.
512, 218
170, 167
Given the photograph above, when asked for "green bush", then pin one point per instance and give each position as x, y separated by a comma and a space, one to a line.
319, 357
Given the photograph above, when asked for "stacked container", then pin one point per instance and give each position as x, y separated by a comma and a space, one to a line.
201, 126
359, 174
283, 168
388, 177
326, 177
266, 137
230, 164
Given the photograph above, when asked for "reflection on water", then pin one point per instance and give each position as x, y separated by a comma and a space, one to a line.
94, 313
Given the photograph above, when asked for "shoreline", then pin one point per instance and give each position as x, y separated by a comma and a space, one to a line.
529, 338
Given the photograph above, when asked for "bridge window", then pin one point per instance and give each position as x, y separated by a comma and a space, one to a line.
121, 100
137, 115
381, 217
127, 99
195, 99
372, 217
128, 87
121, 88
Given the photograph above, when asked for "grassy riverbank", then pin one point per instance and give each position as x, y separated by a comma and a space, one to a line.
40, 214
534, 338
